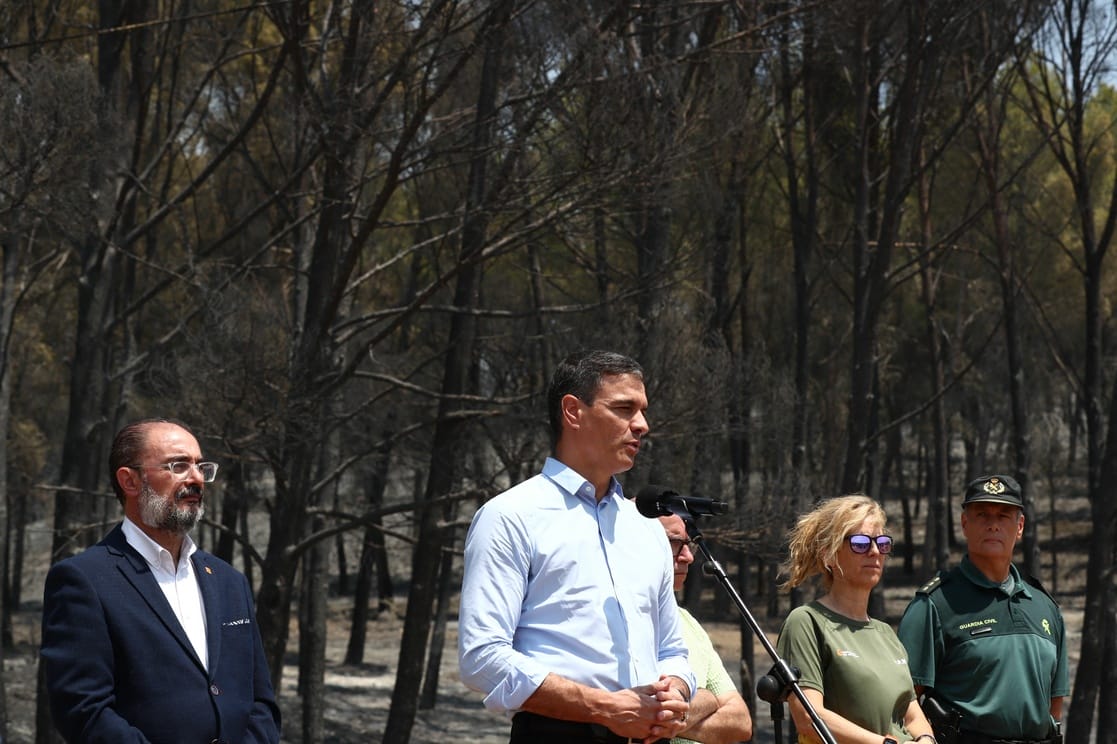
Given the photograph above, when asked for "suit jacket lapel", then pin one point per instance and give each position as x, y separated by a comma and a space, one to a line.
136, 571
211, 600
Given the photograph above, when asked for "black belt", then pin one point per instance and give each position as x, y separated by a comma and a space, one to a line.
972, 737
532, 726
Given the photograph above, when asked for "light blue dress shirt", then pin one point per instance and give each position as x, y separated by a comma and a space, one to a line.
556, 582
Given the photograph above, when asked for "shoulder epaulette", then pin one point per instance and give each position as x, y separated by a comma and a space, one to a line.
1033, 581
933, 584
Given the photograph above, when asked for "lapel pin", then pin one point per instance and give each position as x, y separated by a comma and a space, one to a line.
209, 570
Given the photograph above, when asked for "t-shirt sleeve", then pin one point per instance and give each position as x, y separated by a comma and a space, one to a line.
703, 655
719, 682
798, 645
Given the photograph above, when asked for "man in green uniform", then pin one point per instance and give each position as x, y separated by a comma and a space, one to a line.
985, 641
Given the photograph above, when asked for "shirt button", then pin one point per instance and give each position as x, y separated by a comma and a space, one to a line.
215, 689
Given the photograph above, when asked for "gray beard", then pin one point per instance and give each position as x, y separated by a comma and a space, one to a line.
166, 514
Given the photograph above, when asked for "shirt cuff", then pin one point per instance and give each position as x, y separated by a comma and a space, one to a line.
680, 668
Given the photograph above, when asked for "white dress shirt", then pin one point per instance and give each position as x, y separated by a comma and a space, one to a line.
556, 581
179, 584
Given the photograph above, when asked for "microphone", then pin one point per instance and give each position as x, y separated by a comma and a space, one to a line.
658, 501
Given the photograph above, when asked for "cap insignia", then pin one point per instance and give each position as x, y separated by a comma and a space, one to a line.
993, 486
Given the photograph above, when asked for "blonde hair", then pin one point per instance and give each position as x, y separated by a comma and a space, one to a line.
814, 541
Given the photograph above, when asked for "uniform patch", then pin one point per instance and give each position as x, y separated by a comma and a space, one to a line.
975, 623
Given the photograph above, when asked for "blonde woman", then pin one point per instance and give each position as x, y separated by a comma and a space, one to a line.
853, 669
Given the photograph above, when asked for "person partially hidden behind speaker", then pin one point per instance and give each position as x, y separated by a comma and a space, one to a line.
853, 668
985, 643
568, 617
718, 713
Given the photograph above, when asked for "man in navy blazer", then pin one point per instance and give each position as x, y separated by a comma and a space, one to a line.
145, 637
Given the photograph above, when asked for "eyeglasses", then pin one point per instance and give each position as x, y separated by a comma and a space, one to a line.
677, 545
181, 469
863, 543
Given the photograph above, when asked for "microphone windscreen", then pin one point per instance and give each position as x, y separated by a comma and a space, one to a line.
649, 501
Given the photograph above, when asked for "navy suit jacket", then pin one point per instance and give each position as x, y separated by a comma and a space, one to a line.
119, 667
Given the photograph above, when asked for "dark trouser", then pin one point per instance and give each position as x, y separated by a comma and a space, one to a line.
529, 728
972, 737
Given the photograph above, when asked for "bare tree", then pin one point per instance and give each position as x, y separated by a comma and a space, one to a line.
936, 544
39, 101
798, 140
447, 448
904, 44
987, 80
345, 105
1073, 59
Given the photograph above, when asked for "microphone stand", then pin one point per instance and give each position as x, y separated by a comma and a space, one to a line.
782, 679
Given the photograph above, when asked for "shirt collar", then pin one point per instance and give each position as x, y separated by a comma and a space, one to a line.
972, 573
152, 551
573, 483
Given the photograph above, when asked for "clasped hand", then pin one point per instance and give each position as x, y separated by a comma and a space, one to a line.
651, 712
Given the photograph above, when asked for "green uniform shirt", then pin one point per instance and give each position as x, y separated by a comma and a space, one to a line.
997, 653
704, 661
860, 668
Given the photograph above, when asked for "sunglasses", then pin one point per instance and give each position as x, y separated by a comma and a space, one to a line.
861, 544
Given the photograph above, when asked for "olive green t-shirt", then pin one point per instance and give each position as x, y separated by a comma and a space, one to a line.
861, 668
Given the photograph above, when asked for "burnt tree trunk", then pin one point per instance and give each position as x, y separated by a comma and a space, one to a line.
313, 627
936, 543
450, 431
374, 558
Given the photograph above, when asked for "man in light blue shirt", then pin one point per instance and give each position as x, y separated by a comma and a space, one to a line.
568, 616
